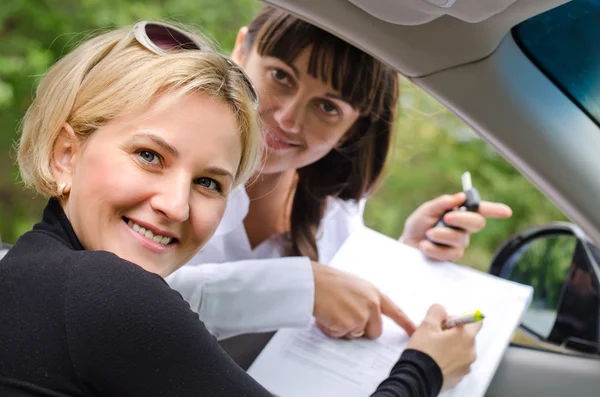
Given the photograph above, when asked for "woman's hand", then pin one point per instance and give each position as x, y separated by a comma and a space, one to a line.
347, 306
420, 224
453, 349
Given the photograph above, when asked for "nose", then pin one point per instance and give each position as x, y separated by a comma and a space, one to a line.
289, 115
172, 198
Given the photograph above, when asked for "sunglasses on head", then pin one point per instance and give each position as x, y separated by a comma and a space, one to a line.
161, 38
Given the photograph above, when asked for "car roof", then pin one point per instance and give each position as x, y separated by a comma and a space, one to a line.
416, 50
479, 72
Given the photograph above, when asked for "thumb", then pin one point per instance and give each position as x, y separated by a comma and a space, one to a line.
445, 203
436, 315
390, 309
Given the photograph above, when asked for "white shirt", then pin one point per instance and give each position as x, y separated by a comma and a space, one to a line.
236, 289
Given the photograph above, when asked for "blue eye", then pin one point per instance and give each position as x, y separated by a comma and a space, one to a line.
209, 184
148, 156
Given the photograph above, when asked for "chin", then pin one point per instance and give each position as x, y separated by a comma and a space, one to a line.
274, 167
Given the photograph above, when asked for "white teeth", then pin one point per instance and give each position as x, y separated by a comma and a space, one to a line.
148, 233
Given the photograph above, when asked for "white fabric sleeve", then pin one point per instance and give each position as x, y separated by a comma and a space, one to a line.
248, 296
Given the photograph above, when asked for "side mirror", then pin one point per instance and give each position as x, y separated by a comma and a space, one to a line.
561, 264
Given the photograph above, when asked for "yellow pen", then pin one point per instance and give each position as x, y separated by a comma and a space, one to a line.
466, 318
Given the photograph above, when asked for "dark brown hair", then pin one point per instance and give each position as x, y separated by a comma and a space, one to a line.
351, 170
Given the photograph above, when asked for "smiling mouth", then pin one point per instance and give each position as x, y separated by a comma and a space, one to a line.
273, 141
157, 238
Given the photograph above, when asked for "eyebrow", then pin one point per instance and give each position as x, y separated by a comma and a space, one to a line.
339, 97
160, 142
329, 95
220, 171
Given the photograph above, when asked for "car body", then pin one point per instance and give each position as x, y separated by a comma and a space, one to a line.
469, 58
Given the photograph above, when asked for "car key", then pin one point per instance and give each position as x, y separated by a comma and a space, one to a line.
470, 204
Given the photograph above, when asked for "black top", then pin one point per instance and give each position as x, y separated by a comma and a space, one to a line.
87, 323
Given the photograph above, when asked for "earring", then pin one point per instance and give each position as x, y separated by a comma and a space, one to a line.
61, 188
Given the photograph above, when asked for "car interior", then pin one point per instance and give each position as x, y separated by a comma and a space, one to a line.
522, 74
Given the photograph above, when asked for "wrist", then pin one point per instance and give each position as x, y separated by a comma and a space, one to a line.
324, 281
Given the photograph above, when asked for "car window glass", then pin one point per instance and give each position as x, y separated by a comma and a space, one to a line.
565, 44
432, 148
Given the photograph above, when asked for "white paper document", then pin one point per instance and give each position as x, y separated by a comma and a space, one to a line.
306, 363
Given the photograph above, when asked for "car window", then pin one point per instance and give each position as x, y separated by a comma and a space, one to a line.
565, 44
432, 149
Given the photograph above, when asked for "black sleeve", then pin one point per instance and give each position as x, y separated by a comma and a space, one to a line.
414, 375
129, 334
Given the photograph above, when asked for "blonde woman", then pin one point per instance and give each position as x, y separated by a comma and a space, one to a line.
139, 135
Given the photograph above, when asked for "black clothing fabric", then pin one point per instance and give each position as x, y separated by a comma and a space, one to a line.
87, 323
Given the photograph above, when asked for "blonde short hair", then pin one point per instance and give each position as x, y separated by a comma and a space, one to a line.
92, 85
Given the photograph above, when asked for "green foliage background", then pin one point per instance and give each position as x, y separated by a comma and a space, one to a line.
433, 148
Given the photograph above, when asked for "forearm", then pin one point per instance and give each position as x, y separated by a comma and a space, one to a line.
414, 375
248, 296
